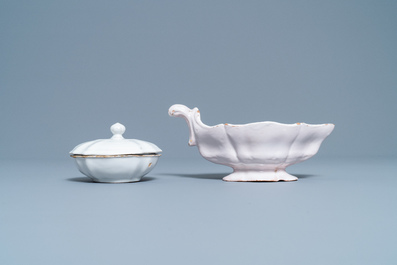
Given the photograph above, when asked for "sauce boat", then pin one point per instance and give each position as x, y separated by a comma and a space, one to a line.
258, 151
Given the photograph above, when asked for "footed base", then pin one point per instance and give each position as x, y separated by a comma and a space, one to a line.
276, 175
114, 180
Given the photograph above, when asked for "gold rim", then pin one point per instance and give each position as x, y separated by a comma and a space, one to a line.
105, 156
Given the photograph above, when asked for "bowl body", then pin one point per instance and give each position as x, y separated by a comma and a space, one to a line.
261, 151
116, 169
264, 145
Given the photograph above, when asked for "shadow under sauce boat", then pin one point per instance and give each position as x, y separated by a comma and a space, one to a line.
258, 151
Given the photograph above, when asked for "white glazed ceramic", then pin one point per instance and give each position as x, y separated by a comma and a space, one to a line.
116, 160
258, 151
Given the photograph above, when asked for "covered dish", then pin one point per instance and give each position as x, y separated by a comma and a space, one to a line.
116, 160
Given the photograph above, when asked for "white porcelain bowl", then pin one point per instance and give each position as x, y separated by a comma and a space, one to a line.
116, 169
116, 160
256, 151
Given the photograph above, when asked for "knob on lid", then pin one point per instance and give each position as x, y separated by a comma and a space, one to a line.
116, 145
117, 129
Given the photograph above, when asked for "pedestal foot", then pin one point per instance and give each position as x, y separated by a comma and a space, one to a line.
247, 175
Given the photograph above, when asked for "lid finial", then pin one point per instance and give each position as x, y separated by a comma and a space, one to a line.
117, 129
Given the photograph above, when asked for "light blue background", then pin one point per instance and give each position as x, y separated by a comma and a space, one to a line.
70, 69
338, 212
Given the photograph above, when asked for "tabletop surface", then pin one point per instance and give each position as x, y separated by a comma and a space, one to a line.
340, 211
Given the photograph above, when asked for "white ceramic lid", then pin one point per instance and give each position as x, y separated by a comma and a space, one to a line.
116, 145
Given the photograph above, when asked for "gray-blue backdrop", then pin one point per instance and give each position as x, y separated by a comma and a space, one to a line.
70, 69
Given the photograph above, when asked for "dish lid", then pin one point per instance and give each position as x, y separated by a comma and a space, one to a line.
116, 145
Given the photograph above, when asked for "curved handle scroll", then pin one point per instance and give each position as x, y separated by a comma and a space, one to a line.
179, 110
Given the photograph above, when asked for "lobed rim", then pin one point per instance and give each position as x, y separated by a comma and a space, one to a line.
113, 156
273, 122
